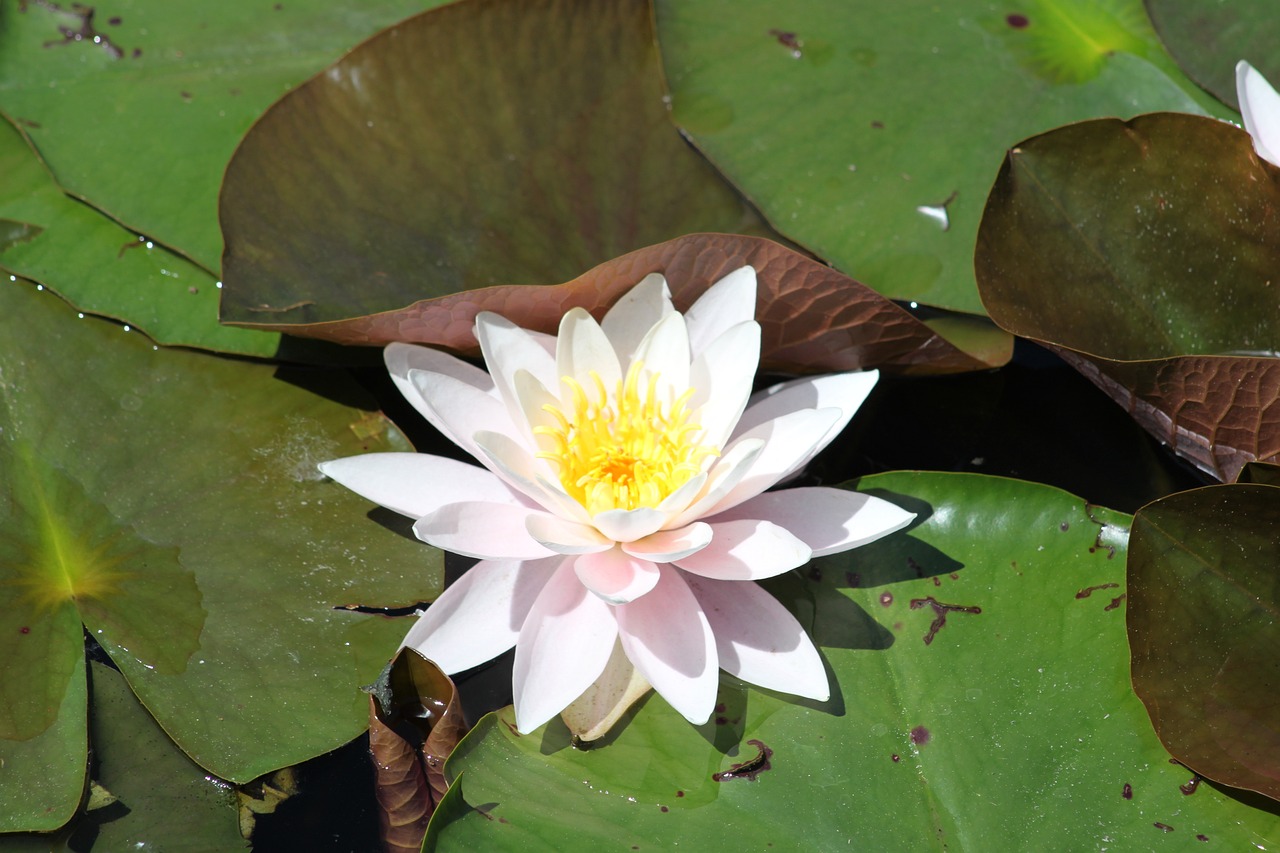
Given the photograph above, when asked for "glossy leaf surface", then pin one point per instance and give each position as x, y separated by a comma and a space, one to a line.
170, 502
1208, 39
1204, 626
813, 317
483, 143
1020, 694
1161, 237
869, 132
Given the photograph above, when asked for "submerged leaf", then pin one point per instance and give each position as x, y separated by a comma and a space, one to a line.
1207, 39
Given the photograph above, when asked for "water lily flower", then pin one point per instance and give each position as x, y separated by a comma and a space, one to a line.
1260, 107
621, 516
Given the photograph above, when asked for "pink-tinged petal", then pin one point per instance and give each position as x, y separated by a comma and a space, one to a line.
668, 639
415, 484
628, 525
521, 470
680, 499
632, 316
615, 576
668, 545
665, 352
827, 520
401, 359
728, 302
788, 441
566, 537
479, 616
534, 398
759, 641
844, 391
563, 647
721, 378
486, 530
749, 549
583, 349
460, 410
507, 348
1260, 108
727, 472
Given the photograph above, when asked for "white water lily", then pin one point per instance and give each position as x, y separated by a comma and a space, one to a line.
1260, 107
621, 517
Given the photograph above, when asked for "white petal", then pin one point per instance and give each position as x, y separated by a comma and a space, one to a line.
583, 349
628, 525
827, 520
566, 537
721, 378
668, 545
667, 636
533, 398
508, 348
728, 302
564, 644
844, 391
680, 499
479, 617
1260, 107
460, 410
517, 467
665, 351
727, 472
403, 358
486, 530
615, 576
748, 549
759, 641
632, 316
416, 484
788, 441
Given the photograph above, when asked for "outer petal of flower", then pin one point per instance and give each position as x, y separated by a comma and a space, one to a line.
759, 641
827, 520
508, 348
728, 302
665, 351
632, 316
667, 636
749, 549
1260, 107
582, 349
479, 617
788, 440
564, 645
486, 530
415, 484
844, 391
566, 537
519, 469
460, 410
721, 378
666, 546
628, 525
401, 359
615, 576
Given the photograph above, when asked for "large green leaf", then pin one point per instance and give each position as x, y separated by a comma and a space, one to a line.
170, 502
485, 142
869, 132
1013, 728
1146, 252
1208, 39
1204, 626
105, 269
140, 114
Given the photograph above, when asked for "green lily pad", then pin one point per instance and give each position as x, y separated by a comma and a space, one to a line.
103, 268
1204, 626
1208, 39
1161, 237
1012, 728
869, 132
481, 143
137, 105
170, 502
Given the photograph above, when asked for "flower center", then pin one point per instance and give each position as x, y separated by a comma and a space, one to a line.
625, 452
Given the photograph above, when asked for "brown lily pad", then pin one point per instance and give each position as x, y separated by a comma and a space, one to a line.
1147, 253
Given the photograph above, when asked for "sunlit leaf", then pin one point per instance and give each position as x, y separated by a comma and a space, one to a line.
1204, 627
982, 701
813, 317
485, 142
1147, 253
869, 132
1208, 39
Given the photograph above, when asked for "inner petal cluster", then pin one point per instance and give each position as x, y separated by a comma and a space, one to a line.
626, 451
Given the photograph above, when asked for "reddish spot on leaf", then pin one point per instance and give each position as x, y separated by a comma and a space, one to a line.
1090, 590
1018, 22
1163, 827
886, 598
1127, 791
1115, 602
749, 769
24, 630
920, 736
1190, 787
896, 758
940, 611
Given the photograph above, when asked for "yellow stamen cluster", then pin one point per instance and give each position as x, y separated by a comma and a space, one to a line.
625, 452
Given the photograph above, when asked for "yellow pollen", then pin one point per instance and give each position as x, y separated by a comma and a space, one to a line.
625, 452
